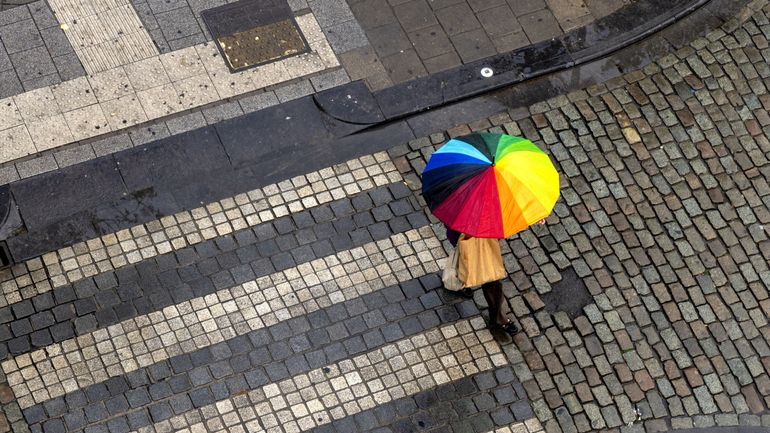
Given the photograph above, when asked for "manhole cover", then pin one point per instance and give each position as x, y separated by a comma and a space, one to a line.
569, 295
254, 32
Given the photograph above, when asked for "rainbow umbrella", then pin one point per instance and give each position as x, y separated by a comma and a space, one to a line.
490, 185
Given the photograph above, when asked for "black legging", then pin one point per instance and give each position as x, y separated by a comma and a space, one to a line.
493, 293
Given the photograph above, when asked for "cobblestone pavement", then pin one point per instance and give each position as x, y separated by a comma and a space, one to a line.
414, 38
288, 305
314, 304
664, 217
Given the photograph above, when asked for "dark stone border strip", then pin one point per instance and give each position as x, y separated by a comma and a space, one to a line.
599, 70
199, 270
60, 208
257, 358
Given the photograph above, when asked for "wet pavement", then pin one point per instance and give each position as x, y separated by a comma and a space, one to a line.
8, 4
88, 63
231, 279
411, 39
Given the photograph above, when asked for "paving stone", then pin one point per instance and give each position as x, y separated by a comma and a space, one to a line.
346, 36
294, 91
20, 36
42, 14
69, 67
457, 19
388, 39
178, 23
473, 45
540, 25
526, 6
10, 84
258, 101
404, 66
329, 80
32, 64
414, 15
442, 62
430, 42
499, 21
187, 122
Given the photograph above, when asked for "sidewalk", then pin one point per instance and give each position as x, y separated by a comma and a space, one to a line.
410, 39
88, 81
8, 4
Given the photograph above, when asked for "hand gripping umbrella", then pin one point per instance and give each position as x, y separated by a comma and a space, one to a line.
490, 185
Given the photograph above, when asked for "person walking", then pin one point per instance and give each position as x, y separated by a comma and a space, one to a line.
493, 294
487, 187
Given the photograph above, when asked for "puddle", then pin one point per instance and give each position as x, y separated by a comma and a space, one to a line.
569, 295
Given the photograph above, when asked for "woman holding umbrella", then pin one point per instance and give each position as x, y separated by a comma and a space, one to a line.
486, 187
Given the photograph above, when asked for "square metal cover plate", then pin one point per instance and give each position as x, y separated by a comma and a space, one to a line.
254, 32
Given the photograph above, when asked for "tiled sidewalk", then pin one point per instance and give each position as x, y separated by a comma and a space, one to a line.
142, 91
414, 38
130, 84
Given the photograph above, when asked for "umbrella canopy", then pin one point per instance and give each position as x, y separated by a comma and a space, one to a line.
490, 185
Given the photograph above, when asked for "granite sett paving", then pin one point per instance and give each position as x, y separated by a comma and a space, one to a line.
664, 217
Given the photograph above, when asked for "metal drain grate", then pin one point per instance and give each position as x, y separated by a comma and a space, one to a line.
254, 32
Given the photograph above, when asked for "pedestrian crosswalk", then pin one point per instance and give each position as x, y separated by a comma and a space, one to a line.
347, 336
346, 388
200, 322
174, 232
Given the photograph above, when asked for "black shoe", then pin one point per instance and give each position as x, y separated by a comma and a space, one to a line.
464, 293
509, 328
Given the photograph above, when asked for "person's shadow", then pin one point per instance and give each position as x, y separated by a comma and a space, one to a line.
500, 336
